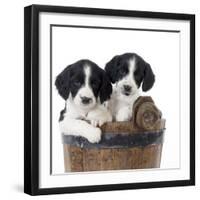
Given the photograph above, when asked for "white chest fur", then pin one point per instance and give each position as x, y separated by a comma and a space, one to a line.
121, 105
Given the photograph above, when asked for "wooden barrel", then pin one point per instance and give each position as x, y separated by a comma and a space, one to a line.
124, 145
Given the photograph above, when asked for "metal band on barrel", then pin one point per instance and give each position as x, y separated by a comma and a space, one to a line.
117, 140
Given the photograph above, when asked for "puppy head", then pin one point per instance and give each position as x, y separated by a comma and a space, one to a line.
85, 83
128, 71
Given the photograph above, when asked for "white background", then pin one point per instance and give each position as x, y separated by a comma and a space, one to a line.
160, 49
11, 144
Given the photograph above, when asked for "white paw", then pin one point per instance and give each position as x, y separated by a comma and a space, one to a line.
99, 117
123, 115
97, 122
94, 122
121, 118
94, 136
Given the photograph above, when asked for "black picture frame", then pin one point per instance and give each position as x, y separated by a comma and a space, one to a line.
31, 98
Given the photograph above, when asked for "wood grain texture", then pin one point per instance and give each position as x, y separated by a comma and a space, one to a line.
146, 118
78, 160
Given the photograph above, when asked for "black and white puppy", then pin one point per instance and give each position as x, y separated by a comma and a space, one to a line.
85, 87
127, 72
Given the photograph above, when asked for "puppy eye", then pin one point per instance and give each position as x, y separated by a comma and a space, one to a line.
122, 72
135, 73
77, 83
94, 84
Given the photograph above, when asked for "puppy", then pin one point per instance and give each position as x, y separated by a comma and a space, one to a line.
85, 87
127, 72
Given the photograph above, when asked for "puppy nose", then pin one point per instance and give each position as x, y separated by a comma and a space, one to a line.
86, 100
127, 88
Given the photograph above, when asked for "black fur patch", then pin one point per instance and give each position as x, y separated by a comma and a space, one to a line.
72, 78
62, 112
117, 68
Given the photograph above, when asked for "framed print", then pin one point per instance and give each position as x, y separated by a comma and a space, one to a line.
109, 99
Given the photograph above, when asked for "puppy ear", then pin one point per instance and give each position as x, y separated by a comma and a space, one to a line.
106, 88
62, 83
111, 68
149, 78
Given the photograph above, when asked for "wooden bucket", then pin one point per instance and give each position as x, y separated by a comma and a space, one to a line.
124, 145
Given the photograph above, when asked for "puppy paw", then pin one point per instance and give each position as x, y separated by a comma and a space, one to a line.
120, 118
96, 122
123, 115
94, 136
99, 117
